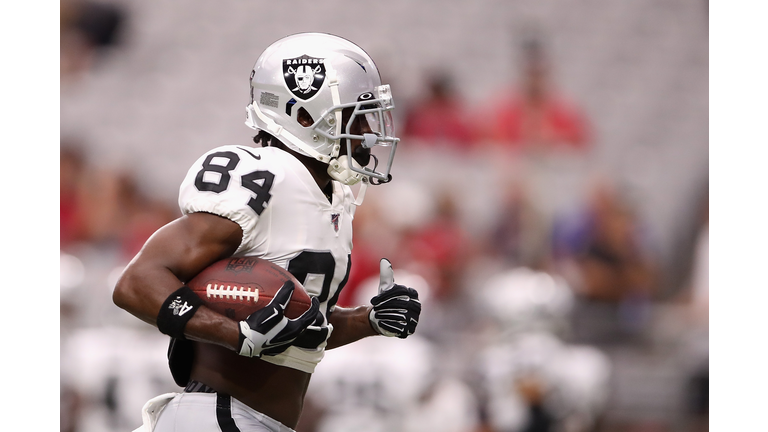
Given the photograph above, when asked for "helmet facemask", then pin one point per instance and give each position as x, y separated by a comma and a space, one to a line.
369, 120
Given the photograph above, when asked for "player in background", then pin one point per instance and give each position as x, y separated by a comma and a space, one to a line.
324, 123
352, 389
529, 377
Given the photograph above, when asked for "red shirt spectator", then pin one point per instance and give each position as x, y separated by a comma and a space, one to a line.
523, 122
439, 119
535, 116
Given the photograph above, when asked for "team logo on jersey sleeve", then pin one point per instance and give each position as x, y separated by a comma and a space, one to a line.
304, 75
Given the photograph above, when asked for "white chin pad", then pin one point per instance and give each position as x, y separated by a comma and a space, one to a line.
339, 170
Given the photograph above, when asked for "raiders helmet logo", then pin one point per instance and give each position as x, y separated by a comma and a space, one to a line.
304, 75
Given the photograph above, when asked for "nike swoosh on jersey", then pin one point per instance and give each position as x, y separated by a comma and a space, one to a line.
257, 157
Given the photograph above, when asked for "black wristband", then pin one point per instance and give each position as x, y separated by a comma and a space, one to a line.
177, 309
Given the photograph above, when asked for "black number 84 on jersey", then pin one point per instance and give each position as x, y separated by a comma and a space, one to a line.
259, 182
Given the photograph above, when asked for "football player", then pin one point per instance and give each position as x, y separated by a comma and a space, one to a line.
324, 123
530, 378
352, 389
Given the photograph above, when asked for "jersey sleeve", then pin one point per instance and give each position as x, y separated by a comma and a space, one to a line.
232, 182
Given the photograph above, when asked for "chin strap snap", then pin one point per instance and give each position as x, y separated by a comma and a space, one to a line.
339, 170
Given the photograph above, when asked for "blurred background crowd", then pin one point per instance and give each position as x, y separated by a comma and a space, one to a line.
550, 203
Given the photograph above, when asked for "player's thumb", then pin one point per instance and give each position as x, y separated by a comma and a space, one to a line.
386, 275
310, 316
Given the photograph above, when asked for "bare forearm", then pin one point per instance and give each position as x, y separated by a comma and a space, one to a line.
349, 325
143, 293
142, 289
173, 255
211, 327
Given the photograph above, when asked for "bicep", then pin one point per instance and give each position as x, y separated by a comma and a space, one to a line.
191, 243
172, 256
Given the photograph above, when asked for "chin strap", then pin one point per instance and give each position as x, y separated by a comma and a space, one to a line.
361, 192
253, 111
280, 132
339, 169
333, 85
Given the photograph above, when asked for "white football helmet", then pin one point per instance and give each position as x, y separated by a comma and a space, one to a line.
523, 300
299, 87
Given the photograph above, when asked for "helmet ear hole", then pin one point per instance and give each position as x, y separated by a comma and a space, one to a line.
304, 118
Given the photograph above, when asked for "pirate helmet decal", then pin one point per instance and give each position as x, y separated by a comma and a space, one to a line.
304, 75
322, 75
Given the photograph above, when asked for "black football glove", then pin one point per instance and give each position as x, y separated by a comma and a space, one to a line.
268, 331
316, 334
396, 308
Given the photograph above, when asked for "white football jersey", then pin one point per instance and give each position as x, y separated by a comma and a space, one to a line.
371, 384
285, 218
575, 379
381, 384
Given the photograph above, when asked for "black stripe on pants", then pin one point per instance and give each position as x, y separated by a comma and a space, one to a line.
224, 413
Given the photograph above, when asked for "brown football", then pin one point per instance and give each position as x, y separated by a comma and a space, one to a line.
238, 286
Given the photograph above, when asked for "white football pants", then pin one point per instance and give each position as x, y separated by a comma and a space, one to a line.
205, 412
